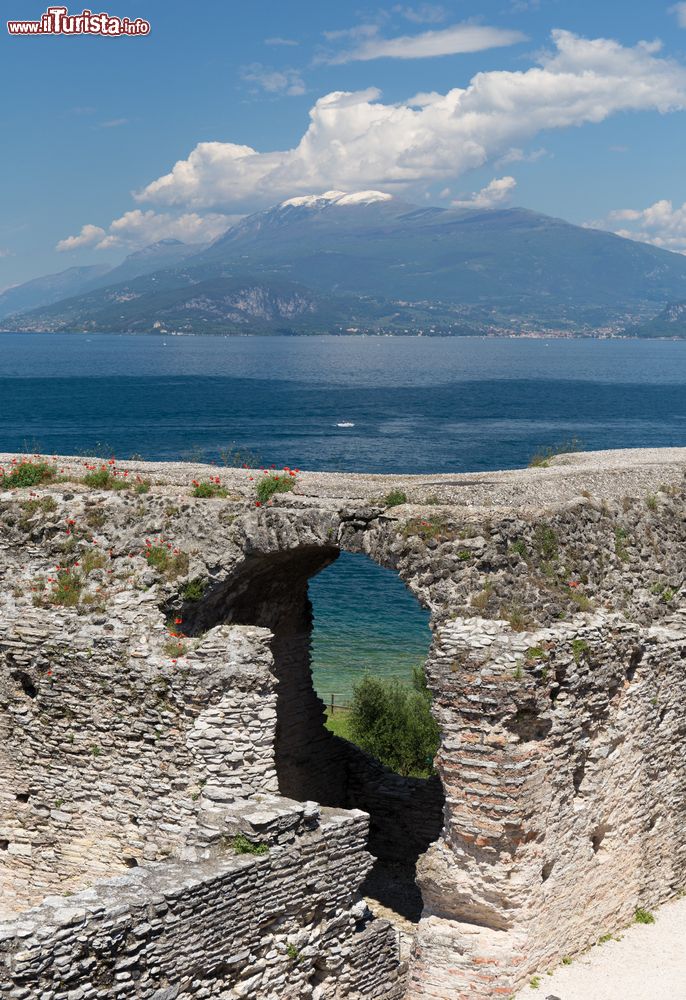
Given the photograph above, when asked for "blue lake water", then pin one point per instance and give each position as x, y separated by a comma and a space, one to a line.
417, 405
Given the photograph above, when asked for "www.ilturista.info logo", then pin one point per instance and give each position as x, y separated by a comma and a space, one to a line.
58, 21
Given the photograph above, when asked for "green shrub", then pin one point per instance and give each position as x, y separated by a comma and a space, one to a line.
267, 486
395, 498
207, 490
542, 458
27, 474
642, 916
170, 563
580, 648
435, 528
582, 602
67, 589
293, 953
481, 600
393, 723
93, 559
546, 542
174, 648
103, 479
621, 535
38, 505
516, 616
195, 589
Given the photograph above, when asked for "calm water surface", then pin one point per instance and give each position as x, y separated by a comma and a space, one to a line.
417, 405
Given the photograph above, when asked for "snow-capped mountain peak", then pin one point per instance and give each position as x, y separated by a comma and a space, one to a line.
341, 198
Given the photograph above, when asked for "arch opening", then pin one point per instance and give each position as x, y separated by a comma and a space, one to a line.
366, 622
272, 590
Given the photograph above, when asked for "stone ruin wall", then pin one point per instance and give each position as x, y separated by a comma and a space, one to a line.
125, 776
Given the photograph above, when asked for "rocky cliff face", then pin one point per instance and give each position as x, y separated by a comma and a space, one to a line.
176, 820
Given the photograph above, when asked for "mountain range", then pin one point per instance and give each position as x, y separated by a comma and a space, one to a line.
369, 262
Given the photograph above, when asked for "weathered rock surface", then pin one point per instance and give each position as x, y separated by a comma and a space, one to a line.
131, 759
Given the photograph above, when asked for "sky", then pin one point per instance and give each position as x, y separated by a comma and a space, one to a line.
574, 108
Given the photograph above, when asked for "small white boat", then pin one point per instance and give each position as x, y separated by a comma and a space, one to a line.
345, 423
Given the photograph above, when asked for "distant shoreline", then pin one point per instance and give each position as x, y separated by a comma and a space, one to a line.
342, 334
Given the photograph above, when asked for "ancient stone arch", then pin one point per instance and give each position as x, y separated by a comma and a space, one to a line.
138, 769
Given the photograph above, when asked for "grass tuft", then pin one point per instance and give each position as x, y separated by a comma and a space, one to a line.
242, 845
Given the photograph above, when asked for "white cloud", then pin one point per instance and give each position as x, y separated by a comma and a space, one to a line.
517, 155
459, 38
498, 191
114, 123
522, 6
354, 141
138, 228
359, 31
287, 82
89, 236
423, 99
425, 13
679, 10
661, 224
281, 41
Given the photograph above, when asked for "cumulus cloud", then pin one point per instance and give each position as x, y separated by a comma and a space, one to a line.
138, 228
459, 38
89, 236
494, 194
286, 82
355, 141
662, 224
679, 10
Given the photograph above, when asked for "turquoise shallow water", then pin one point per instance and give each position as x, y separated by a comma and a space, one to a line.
416, 405
365, 620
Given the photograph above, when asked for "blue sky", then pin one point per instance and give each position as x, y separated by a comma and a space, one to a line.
550, 104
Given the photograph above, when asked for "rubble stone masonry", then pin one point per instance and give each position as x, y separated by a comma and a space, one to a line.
175, 820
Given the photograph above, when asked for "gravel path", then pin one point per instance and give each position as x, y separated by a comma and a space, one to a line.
647, 963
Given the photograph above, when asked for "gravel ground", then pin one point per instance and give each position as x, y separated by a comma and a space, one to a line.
602, 474
648, 962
